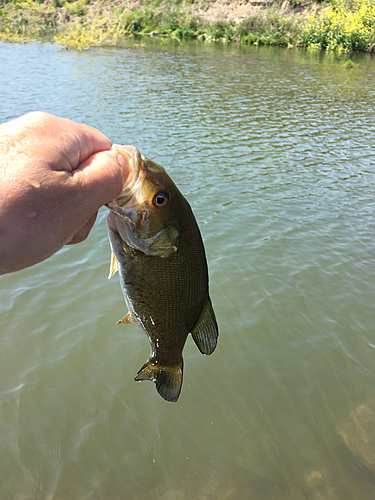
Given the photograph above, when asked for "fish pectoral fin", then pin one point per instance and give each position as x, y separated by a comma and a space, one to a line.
206, 331
168, 379
126, 320
113, 266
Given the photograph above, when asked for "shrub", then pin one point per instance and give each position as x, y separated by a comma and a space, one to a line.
171, 23
272, 29
341, 28
140, 21
81, 37
221, 29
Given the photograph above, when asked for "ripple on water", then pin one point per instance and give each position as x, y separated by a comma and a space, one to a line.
274, 151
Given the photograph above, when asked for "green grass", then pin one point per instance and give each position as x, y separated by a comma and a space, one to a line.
81, 24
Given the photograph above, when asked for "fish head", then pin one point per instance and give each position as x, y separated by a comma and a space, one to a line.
146, 212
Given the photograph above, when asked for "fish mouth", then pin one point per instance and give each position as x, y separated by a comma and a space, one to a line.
129, 222
161, 243
119, 212
134, 159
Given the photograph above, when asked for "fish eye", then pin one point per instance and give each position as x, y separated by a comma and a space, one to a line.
160, 200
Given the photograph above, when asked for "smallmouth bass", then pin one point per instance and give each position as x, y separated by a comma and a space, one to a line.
158, 250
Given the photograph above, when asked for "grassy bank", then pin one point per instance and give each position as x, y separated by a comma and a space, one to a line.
81, 24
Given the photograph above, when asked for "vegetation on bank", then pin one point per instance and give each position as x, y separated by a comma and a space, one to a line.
272, 29
80, 24
83, 23
344, 27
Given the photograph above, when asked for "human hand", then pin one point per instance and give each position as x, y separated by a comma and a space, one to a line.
54, 176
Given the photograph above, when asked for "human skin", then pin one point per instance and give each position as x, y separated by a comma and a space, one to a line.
54, 176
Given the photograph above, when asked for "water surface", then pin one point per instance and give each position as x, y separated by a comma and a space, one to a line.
274, 149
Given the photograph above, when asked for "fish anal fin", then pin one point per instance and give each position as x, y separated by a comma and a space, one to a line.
206, 331
126, 320
168, 379
113, 266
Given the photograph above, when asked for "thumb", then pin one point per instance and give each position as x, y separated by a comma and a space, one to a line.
102, 176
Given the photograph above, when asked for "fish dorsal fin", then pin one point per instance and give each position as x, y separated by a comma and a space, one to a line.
126, 320
113, 266
168, 379
206, 331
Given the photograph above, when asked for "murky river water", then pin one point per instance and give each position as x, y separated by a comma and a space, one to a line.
275, 151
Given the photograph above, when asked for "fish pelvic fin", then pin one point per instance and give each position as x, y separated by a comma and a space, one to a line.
168, 379
126, 320
206, 331
113, 266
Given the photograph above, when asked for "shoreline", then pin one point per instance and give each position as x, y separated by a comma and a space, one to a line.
81, 24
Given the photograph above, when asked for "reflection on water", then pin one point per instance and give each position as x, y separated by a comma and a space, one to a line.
274, 150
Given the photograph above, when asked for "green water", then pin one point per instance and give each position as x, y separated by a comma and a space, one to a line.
274, 149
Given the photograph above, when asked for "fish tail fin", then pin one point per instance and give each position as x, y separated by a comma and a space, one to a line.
168, 379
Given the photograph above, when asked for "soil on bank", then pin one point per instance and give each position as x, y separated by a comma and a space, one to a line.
239, 10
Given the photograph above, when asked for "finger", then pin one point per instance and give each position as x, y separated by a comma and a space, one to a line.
92, 141
102, 177
83, 232
78, 140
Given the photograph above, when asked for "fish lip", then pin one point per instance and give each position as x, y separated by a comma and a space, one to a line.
136, 163
115, 209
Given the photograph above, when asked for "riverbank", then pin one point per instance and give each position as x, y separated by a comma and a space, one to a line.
81, 24
256, 21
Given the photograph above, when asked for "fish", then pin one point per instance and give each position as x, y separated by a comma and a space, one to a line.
158, 250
